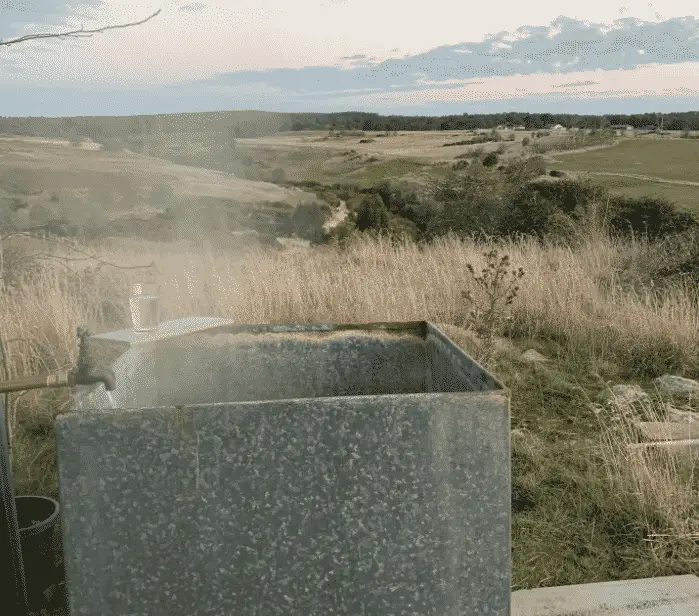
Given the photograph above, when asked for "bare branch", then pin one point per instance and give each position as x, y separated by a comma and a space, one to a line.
65, 243
81, 33
65, 260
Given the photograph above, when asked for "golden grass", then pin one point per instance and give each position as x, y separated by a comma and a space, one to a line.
663, 481
569, 294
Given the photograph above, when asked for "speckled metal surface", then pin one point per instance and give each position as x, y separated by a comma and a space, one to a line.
347, 473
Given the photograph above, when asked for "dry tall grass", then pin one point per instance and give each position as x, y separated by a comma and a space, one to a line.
567, 289
663, 481
569, 294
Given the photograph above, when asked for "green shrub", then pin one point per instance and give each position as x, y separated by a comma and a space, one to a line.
540, 147
668, 260
419, 212
343, 233
650, 358
547, 209
372, 213
653, 217
307, 221
329, 197
490, 159
474, 153
524, 169
466, 204
565, 194
395, 199
278, 176
400, 227
528, 214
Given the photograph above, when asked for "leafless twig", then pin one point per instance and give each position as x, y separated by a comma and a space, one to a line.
81, 33
64, 260
66, 244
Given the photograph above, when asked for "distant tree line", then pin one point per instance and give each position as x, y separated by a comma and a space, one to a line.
688, 120
259, 123
227, 124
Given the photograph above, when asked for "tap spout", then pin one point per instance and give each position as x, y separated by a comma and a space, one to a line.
106, 377
85, 373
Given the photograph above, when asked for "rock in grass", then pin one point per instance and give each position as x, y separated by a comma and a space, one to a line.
680, 416
534, 356
676, 385
626, 394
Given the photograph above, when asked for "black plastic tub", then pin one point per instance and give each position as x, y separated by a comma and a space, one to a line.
37, 518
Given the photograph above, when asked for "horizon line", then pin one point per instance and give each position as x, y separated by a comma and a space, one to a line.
350, 111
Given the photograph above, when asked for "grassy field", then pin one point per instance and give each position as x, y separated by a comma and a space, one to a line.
316, 156
686, 197
668, 159
425, 146
672, 159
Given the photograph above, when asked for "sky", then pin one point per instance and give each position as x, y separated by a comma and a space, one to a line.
444, 56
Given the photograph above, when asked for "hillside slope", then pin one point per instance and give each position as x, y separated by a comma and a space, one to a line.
44, 181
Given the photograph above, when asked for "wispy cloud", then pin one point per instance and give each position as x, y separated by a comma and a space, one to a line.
193, 7
576, 84
565, 46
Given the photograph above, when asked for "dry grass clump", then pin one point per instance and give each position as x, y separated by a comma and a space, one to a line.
662, 484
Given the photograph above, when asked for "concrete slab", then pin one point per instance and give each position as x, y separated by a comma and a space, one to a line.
685, 447
676, 595
668, 431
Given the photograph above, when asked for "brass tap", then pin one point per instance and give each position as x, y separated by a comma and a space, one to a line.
82, 374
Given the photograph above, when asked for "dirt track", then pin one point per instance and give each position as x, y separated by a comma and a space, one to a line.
338, 217
647, 178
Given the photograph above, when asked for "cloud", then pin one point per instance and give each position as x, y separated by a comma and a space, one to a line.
533, 67
193, 7
565, 46
576, 84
